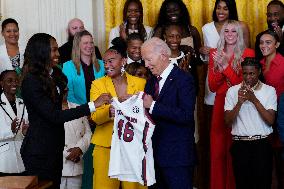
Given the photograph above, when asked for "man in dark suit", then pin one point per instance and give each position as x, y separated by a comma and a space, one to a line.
170, 99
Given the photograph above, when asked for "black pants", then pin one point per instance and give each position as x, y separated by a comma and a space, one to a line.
252, 163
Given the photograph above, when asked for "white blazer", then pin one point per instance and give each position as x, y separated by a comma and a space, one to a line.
5, 62
10, 143
77, 134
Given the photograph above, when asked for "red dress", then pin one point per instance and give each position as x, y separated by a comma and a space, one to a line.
221, 173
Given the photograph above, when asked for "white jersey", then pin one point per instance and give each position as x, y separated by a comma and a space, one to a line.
131, 155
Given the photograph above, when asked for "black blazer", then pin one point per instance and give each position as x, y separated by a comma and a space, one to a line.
173, 114
43, 145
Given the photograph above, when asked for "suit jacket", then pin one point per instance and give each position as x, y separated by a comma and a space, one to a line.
5, 62
77, 134
103, 133
173, 138
76, 83
10, 143
42, 148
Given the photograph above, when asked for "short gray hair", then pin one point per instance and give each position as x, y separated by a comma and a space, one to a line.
157, 45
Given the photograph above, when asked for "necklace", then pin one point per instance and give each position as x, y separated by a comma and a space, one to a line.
257, 86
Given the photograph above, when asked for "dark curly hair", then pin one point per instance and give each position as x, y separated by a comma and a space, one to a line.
141, 28
163, 17
232, 7
120, 46
37, 61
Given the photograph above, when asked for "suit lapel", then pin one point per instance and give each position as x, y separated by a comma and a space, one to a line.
6, 105
168, 82
110, 87
130, 85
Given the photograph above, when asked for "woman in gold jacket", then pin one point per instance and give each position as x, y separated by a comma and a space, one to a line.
119, 84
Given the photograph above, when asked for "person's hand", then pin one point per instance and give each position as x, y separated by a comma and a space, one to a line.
14, 125
250, 95
122, 31
105, 98
242, 95
278, 30
125, 97
204, 50
25, 127
185, 63
147, 101
221, 60
111, 112
74, 154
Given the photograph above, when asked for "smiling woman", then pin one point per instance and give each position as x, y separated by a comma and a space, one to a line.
11, 54
132, 22
119, 84
42, 148
14, 124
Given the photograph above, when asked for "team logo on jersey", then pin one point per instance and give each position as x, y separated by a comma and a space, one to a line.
135, 109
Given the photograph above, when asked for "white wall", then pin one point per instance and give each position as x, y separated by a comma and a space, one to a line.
52, 16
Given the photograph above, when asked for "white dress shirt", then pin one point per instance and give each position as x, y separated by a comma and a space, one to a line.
164, 77
129, 60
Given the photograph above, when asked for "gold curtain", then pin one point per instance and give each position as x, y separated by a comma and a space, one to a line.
253, 12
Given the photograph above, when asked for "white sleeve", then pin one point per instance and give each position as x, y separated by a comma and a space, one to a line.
84, 142
229, 100
271, 100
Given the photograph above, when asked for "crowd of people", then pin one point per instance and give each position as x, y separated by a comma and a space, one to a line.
58, 120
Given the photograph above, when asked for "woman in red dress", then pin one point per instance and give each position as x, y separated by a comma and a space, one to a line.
224, 72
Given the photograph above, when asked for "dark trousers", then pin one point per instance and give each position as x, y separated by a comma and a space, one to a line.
44, 167
252, 163
173, 177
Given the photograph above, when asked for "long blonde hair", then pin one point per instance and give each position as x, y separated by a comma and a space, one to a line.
76, 55
239, 47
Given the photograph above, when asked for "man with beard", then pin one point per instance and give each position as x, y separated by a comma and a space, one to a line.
75, 25
275, 22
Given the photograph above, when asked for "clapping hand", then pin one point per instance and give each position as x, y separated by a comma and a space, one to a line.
221, 61
105, 98
278, 30
122, 31
242, 95
25, 127
250, 95
184, 64
204, 50
246, 93
14, 125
